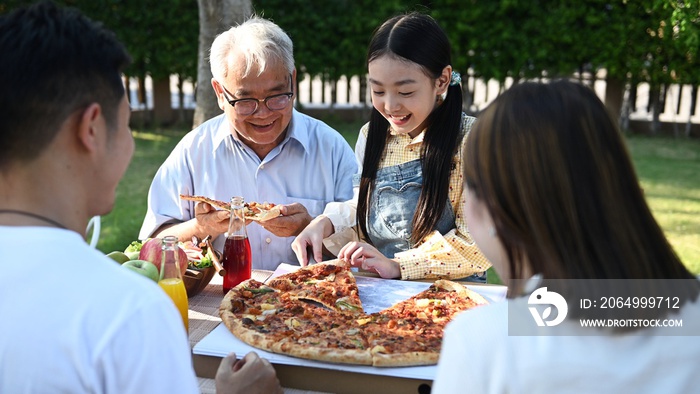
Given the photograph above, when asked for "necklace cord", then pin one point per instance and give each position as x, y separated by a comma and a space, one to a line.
35, 216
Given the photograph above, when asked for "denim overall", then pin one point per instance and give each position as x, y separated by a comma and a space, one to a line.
393, 205
394, 200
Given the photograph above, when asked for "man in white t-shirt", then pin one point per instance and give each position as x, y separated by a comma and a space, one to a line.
72, 319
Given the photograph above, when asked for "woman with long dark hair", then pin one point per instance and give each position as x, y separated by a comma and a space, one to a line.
554, 203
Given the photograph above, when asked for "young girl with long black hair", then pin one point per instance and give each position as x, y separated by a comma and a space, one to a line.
407, 205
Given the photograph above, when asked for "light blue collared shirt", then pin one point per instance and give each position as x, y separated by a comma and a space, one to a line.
313, 166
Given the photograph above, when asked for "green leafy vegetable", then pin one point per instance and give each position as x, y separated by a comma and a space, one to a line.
346, 305
205, 262
134, 247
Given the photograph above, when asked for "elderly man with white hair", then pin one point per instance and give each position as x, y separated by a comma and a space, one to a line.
260, 148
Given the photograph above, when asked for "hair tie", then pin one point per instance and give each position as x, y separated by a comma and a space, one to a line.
456, 78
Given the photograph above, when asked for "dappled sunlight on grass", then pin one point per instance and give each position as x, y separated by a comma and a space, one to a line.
150, 136
669, 172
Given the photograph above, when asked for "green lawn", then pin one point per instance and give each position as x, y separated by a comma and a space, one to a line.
669, 170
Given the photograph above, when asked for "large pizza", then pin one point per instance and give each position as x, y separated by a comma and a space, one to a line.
316, 313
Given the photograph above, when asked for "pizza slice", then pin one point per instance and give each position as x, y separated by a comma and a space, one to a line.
253, 210
410, 332
330, 284
437, 305
337, 338
215, 203
247, 311
261, 211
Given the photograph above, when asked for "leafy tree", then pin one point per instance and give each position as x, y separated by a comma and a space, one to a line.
161, 37
330, 37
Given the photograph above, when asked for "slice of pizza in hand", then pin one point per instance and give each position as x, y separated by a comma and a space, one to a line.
262, 211
215, 203
253, 210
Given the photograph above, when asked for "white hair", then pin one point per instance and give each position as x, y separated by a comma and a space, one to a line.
260, 40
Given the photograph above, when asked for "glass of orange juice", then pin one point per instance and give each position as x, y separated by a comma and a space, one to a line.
171, 278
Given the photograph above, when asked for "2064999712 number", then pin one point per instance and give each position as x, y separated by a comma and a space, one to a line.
631, 303
640, 302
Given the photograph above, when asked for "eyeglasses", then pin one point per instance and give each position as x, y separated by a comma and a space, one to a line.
248, 106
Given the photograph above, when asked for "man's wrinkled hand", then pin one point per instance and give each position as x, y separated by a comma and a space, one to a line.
294, 218
210, 220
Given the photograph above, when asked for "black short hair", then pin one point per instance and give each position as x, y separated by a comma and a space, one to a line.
54, 61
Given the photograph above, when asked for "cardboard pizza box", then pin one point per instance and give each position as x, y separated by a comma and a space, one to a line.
326, 380
376, 294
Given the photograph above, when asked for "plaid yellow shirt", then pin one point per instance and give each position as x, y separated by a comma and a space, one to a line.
454, 255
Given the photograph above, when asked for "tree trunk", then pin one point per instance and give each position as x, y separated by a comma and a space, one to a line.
633, 96
693, 103
614, 93
215, 17
311, 88
655, 105
466, 93
626, 108
347, 89
181, 100
334, 95
363, 90
142, 93
162, 105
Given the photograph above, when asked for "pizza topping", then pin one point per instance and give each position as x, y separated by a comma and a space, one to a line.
344, 305
292, 323
352, 331
259, 291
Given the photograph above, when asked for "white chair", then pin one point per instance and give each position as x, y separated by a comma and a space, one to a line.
93, 230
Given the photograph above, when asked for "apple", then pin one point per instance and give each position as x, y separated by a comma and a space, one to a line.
152, 251
143, 267
119, 257
133, 255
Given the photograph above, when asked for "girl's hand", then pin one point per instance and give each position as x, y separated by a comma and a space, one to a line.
310, 239
367, 257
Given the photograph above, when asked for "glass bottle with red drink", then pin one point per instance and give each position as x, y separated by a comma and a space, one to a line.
237, 259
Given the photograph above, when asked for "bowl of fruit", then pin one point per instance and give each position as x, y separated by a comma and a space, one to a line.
203, 261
